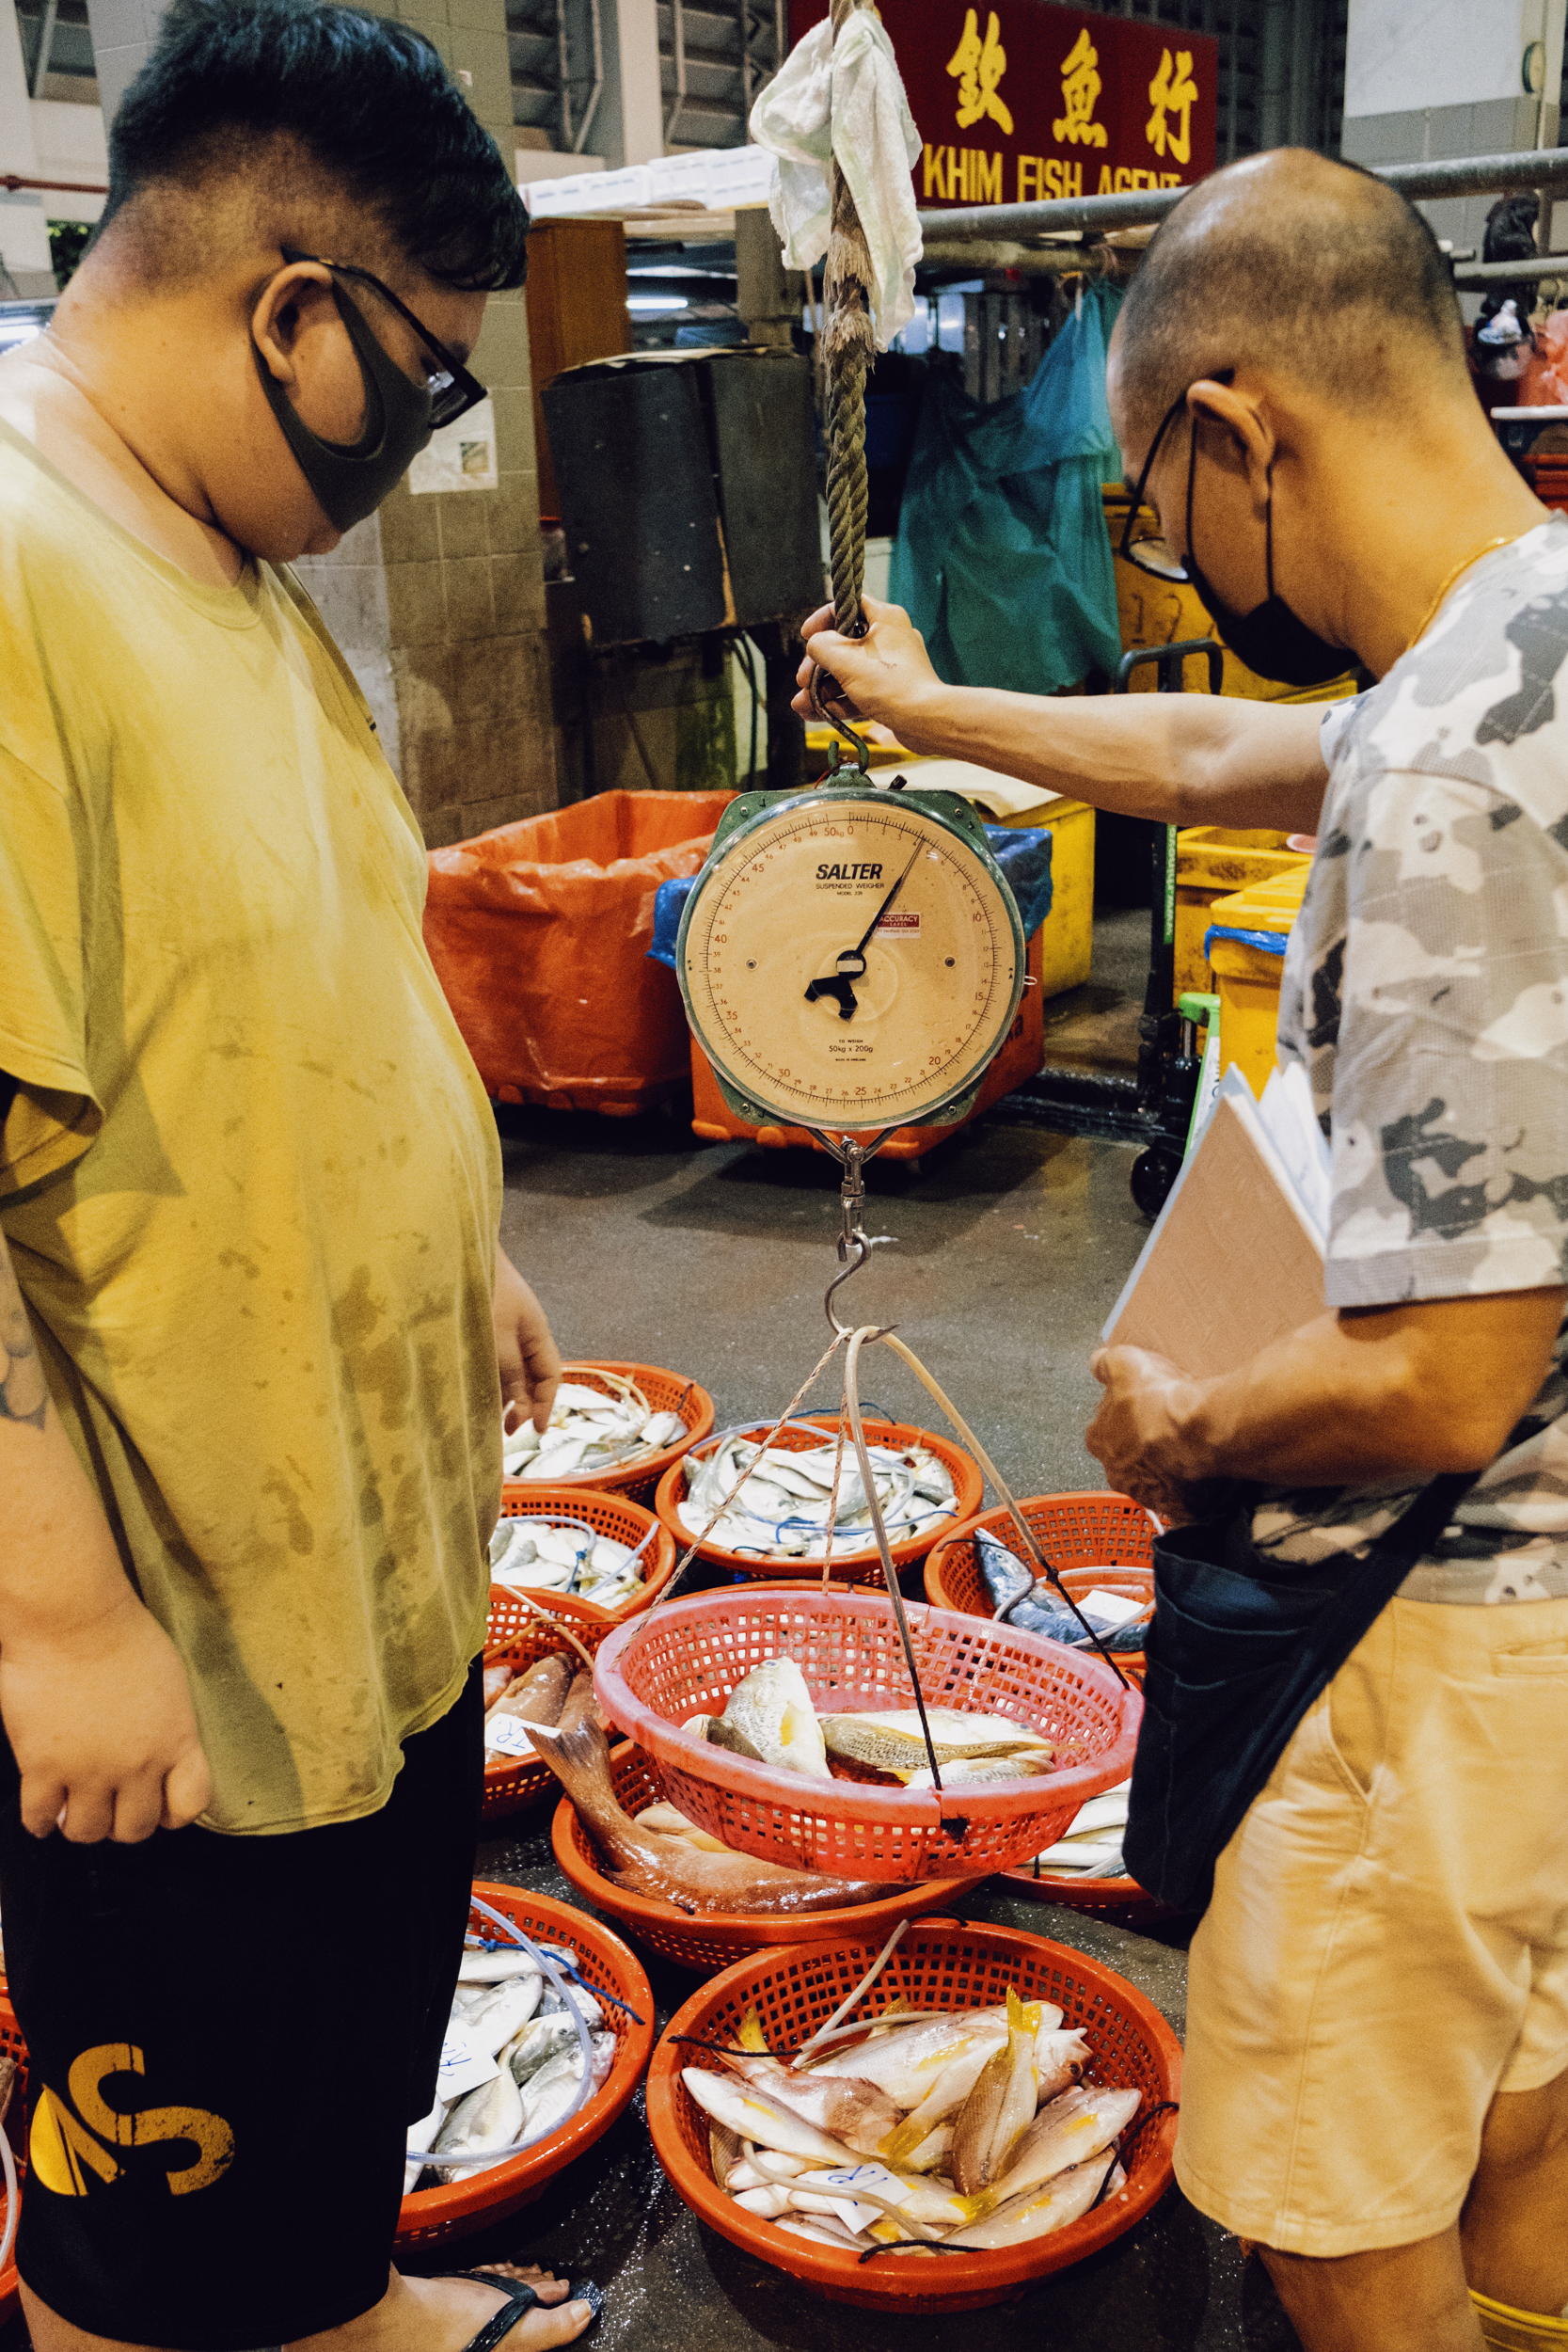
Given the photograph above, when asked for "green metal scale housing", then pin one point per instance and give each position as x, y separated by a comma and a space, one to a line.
851, 957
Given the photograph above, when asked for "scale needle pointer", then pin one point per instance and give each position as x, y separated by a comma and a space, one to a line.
851, 962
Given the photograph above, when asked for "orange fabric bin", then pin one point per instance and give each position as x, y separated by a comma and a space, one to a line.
539, 933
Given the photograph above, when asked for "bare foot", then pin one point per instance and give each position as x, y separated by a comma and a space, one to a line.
461, 2307
445, 2315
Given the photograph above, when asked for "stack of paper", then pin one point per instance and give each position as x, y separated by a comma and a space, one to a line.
1235, 1257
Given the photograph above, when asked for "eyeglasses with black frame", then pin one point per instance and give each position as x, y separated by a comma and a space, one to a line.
1152, 552
453, 390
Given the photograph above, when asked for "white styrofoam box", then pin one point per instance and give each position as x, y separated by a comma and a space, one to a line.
681, 178
739, 175
537, 163
589, 192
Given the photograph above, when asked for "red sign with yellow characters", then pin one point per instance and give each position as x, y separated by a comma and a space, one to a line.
1027, 100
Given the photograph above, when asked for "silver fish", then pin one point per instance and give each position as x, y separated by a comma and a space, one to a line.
495, 2021
1051, 2205
1072, 2128
490, 2117
537, 2045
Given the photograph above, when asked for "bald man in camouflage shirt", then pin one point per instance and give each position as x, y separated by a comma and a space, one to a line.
1376, 2085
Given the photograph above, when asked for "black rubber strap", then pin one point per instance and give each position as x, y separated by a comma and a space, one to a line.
500, 2324
1417, 1528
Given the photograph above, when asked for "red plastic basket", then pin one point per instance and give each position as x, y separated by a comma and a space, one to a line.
12, 2045
1074, 1532
940, 1963
613, 1515
712, 1939
686, 1657
860, 1567
511, 1782
666, 1392
606, 1966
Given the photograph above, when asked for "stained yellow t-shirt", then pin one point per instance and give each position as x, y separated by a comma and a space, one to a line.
250, 1182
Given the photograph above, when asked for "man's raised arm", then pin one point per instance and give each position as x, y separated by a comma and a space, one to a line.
1185, 759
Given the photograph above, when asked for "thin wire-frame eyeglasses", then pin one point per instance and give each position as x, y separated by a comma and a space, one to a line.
1152, 552
451, 388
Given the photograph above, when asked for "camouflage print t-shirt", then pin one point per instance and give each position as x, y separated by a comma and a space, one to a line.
1426, 992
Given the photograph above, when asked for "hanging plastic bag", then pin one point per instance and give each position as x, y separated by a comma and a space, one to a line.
1002, 558
539, 933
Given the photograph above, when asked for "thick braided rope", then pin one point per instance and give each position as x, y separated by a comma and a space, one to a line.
848, 345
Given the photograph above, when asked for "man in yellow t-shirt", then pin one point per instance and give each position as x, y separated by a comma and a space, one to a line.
256, 1332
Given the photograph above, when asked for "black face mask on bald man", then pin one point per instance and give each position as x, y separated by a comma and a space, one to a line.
1272, 639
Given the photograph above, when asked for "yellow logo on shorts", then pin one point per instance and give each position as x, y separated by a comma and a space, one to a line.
62, 2150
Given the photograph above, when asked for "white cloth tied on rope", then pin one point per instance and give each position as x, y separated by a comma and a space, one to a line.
846, 99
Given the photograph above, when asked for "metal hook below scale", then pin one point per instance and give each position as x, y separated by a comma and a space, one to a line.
854, 1244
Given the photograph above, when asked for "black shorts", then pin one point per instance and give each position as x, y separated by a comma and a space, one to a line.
228, 2038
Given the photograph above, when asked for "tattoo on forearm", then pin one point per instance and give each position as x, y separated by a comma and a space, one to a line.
24, 1395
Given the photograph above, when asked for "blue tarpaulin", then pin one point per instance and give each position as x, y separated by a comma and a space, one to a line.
1022, 852
1002, 557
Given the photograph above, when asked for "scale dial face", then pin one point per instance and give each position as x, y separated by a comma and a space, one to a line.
852, 964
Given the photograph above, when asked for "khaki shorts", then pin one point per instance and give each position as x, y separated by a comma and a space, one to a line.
1387, 1944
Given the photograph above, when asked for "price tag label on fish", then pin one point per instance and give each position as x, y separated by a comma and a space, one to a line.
465, 2064
507, 1735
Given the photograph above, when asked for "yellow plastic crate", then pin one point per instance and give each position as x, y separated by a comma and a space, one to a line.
1246, 977
1212, 864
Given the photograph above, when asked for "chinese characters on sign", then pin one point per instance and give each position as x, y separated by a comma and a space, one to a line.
1081, 87
979, 68
1172, 93
1028, 99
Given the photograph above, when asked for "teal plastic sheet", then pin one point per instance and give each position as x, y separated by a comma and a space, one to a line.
1002, 558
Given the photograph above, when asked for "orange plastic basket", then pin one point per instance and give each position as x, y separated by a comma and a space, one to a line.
666, 1392
686, 1657
940, 1963
1074, 1530
862, 1566
12, 2045
511, 1782
607, 1967
715, 1938
613, 1515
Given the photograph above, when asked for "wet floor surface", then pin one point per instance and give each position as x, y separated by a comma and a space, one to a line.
1012, 1248
711, 1259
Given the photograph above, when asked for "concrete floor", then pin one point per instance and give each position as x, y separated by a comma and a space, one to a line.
1011, 1246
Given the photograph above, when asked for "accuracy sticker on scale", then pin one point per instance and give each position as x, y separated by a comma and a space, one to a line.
897, 926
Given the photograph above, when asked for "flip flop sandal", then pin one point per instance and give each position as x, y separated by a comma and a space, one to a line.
523, 2298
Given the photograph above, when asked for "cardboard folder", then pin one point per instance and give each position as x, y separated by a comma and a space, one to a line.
1235, 1260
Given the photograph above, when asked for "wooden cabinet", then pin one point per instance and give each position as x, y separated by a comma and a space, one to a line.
577, 310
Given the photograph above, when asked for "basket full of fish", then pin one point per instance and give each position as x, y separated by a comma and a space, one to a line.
757, 1509
784, 1723
632, 1853
991, 2108
1101, 1546
538, 1670
550, 2030
616, 1427
573, 1541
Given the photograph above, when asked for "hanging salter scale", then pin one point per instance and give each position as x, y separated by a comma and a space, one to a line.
851, 957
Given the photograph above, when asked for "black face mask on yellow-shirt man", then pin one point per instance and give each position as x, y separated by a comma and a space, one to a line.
350, 479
